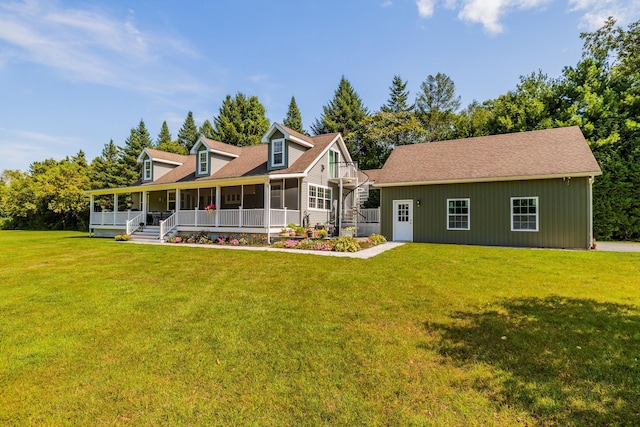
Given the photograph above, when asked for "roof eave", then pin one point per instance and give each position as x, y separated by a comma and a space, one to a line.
488, 179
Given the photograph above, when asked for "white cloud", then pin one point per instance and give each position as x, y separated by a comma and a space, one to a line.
91, 46
597, 11
386, 3
490, 13
19, 147
425, 7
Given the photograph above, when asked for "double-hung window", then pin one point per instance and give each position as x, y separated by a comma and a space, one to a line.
319, 197
147, 169
203, 162
458, 214
524, 214
277, 152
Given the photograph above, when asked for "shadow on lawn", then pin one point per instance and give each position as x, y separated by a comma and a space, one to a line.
569, 361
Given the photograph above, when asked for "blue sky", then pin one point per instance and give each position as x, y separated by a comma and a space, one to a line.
75, 74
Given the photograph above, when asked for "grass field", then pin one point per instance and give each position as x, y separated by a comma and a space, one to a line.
95, 332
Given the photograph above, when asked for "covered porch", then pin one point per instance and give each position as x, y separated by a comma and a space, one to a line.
252, 207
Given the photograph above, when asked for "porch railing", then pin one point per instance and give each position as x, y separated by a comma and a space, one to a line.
200, 218
167, 225
134, 223
283, 217
371, 215
112, 218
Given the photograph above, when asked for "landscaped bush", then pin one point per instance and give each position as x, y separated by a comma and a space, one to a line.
122, 237
345, 244
377, 239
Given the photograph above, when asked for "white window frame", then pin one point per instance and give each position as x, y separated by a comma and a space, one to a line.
274, 152
536, 214
146, 170
202, 163
467, 215
326, 201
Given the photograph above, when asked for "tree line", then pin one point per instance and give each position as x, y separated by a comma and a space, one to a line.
600, 94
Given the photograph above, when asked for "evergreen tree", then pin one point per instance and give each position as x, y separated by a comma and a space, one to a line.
164, 142
188, 134
436, 106
128, 168
398, 97
344, 112
164, 137
294, 118
242, 121
207, 130
103, 172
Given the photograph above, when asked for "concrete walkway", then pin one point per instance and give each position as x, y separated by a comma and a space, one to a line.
363, 254
618, 247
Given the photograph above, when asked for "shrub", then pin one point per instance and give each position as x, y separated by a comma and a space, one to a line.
122, 237
322, 234
345, 244
377, 239
290, 243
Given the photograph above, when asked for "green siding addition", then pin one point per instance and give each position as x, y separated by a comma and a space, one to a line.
563, 213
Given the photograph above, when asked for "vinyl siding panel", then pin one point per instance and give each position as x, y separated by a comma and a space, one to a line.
563, 213
319, 177
216, 162
160, 169
294, 151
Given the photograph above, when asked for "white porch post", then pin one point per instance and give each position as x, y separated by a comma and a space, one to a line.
91, 208
143, 203
218, 205
177, 200
267, 209
241, 206
340, 208
115, 207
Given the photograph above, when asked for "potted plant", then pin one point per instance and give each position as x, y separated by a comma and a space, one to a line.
211, 207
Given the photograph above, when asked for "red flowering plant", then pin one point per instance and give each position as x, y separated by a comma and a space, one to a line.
210, 207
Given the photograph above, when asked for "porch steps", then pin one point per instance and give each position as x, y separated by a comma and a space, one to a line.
149, 232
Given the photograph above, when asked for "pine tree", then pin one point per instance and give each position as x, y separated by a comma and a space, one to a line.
164, 136
188, 134
398, 96
207, 130
343, 113
128, 167
436, 106
242, 121
103, 172
294, 118
164, 142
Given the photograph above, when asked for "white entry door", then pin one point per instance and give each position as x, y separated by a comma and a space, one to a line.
403, 220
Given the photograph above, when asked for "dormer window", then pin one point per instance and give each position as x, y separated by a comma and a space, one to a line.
146, 168
203, 162
277, 152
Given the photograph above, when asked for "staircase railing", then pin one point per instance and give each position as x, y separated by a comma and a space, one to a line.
134, 224
167, 225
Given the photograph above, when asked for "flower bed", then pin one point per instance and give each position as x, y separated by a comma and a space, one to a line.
340, 244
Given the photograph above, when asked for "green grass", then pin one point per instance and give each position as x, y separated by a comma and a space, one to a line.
95, 332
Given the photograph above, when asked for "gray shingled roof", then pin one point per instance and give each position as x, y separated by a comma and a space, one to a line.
535, 154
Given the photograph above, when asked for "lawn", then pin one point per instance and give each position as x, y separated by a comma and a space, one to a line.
96, 332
